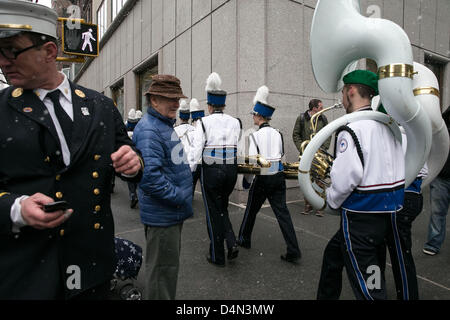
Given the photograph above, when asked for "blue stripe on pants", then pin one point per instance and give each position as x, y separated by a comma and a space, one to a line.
401, 262
359, 276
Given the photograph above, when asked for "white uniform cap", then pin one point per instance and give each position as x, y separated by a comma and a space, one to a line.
138, 114
17, 16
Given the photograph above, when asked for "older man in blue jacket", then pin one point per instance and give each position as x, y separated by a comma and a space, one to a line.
165, 197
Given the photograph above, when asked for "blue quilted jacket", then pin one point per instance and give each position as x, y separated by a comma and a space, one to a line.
165, 190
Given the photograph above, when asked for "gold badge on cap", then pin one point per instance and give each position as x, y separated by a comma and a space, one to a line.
17, 92
80, 93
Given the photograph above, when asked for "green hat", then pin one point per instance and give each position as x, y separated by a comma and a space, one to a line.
364, 77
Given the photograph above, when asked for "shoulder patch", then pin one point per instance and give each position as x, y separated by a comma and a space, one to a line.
343, 144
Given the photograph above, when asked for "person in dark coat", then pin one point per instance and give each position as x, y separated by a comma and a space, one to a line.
59, 141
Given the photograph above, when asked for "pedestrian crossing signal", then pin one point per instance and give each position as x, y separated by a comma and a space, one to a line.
79, 38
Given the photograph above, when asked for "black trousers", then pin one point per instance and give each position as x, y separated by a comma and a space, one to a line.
356, 246
400, 244
273, 188
195, 176
218, 181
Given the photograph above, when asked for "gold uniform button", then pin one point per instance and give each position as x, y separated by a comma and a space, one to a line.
97, 208
97, 157
61, 232
47, 159
96, 191
59, 195
58, 177
97, 226
95, 174
17, 92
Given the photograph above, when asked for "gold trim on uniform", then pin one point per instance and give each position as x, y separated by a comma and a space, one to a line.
97, 208
80, 93
16, 26
96, 191
396, 70
427, 90
97, 157
59, 195
17, 92
47, 159
4, 194
97, 226
61, 232
58, 177
95, 175
27, 109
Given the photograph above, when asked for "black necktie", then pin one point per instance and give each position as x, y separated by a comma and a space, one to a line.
64, 120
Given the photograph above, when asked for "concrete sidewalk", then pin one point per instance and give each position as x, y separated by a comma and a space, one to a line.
259, 273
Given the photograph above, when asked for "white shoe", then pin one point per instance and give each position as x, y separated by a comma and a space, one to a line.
429, 252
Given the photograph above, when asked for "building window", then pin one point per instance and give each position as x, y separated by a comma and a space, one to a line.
101, 18
145, 79
118, 96
116, 7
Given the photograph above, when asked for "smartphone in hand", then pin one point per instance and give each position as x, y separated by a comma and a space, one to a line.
55, 206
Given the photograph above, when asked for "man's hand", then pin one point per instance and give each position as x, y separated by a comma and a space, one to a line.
34, 215
126, 161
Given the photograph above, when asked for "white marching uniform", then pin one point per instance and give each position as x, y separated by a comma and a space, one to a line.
270, 184
186, 134
215, 144
383, 170
267, 142
214, 135
367, 184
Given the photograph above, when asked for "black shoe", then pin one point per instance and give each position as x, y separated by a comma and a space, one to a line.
133, 203
217, 264
233, 253
244, 244
290, 258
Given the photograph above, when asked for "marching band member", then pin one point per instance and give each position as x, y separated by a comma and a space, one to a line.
196, 113
184, 130
367, 185
271, 184
215, 142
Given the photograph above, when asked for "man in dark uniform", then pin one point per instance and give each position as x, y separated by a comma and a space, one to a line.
215, 142
59, 141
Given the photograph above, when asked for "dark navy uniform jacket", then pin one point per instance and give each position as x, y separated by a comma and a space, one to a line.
36, 263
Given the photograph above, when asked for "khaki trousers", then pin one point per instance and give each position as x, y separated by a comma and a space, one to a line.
162, 256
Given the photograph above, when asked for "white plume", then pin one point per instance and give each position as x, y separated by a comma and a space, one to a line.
261, 95
213, 82
183, 104
194, 105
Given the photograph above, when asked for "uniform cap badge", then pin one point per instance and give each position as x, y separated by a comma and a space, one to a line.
17, 92
80, 93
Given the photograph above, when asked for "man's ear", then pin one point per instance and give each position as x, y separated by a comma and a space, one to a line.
51, 51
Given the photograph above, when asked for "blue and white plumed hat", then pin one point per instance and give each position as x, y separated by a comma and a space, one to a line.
216, 96
261, 107
184, 111
196, 111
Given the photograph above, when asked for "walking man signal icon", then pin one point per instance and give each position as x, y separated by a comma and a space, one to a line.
87, 37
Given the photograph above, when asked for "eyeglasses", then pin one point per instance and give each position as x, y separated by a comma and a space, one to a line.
12, 54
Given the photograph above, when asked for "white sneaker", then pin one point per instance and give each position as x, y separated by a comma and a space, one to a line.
429, 252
